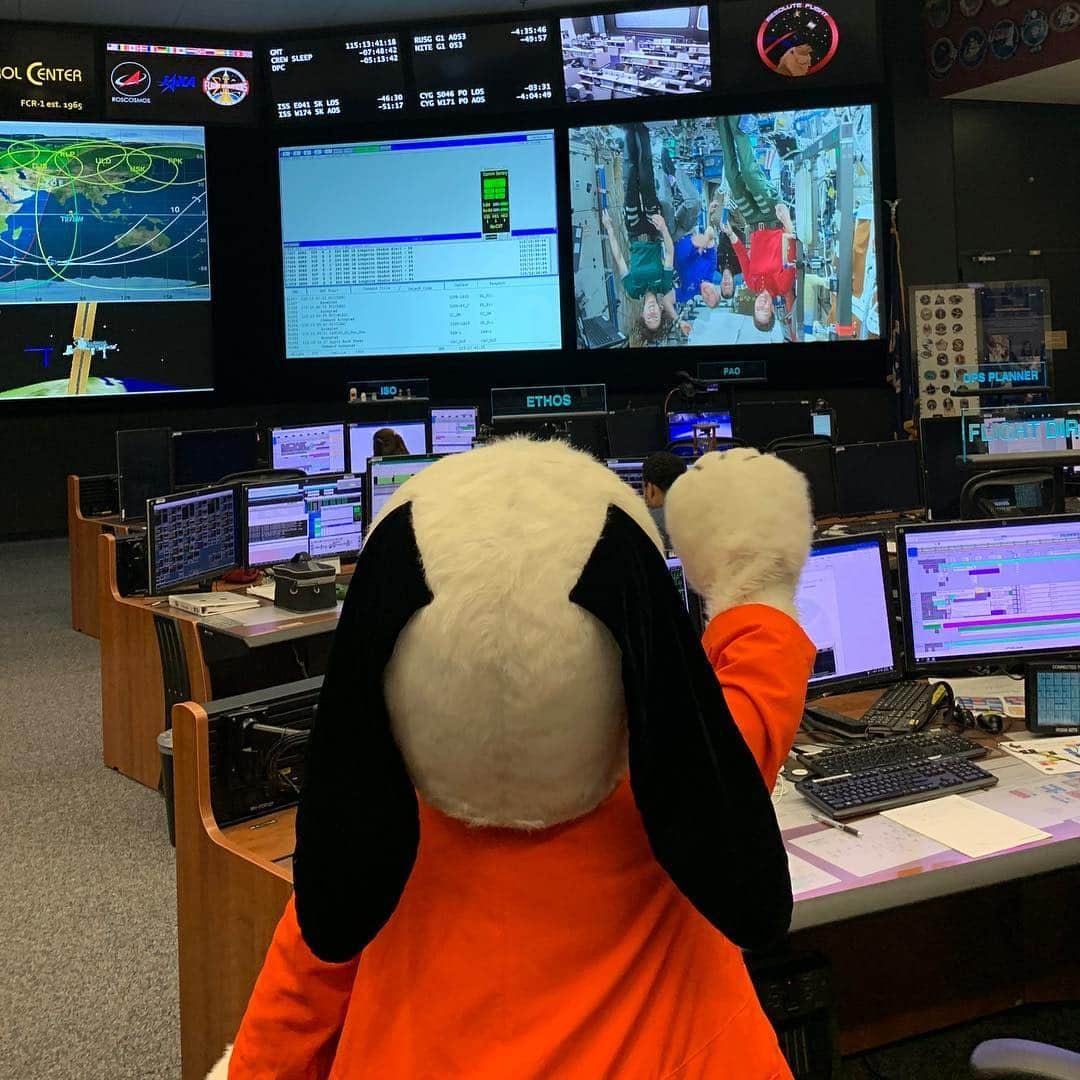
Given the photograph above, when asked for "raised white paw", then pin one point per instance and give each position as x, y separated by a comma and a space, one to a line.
741, 523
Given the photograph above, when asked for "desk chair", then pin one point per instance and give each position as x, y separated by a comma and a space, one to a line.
1019, 1059
1009, 493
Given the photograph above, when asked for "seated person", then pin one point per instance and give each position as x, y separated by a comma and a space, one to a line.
658, 473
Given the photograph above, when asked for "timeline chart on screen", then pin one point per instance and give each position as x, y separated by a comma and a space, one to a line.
420, 246
179, 83
344, 78
46, 74
495, 67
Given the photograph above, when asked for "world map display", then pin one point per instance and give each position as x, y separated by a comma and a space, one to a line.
102, 213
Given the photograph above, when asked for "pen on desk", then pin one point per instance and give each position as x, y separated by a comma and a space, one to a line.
849, 829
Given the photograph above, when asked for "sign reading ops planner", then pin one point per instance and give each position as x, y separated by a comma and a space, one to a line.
46, 74
525, 402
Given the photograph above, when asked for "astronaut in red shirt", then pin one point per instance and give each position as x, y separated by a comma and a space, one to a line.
768, 268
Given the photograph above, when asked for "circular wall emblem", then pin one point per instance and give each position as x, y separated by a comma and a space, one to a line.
973, 47
942, 57
797, 40
971, 8
1035, 29
1005, 39
1066, 17
130, 79
226, 86
937, 12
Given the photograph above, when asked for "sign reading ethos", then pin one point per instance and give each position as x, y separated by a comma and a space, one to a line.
523, 402
46, 73
186, 84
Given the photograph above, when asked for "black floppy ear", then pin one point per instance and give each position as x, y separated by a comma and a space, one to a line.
357, 826
703, 802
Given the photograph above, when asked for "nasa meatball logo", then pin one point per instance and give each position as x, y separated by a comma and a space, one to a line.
797, 40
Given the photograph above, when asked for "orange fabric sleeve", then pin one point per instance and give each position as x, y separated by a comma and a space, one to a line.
763, 660
292, 1023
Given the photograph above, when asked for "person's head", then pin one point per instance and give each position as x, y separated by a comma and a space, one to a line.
710, 294
654, 322
764, 312
658, 473
386, 442
652, 311
727, 284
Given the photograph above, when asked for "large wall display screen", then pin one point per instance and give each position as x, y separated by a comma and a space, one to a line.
770, 45
47, 73
634, 54
181, 84
343, 78
731, 230
420, 246
103, 230
495, 66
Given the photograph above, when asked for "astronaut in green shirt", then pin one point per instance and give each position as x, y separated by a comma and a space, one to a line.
648, 275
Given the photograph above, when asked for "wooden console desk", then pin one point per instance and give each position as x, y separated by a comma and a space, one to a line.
920, 949
221, 656
231, 888
83, 533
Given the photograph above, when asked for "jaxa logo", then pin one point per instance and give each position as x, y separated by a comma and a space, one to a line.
171, 83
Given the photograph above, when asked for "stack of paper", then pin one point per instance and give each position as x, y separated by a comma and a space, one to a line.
965, 826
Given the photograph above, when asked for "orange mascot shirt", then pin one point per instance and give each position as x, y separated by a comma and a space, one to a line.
566, 954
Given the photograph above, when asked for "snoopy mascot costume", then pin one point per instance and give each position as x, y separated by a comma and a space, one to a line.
536, 828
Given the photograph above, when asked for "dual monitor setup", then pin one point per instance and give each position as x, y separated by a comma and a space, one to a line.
971, 594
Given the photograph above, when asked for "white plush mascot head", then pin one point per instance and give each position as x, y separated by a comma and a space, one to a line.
510, 646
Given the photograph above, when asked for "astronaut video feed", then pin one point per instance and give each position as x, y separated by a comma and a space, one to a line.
104, 262
752, 229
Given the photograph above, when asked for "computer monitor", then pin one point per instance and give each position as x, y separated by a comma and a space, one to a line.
876, 477
843, 604
981, 591
689, 597
191, 537
636, 432
205, 456
142, 469
386, 475
314, 448
630, 471
362, 437
421, 247
320, 516
681, 425
815, 462
757, 423
453, 429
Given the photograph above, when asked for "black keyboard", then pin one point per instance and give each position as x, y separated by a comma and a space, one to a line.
601, 333
904, 707
897, 750
873, 790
